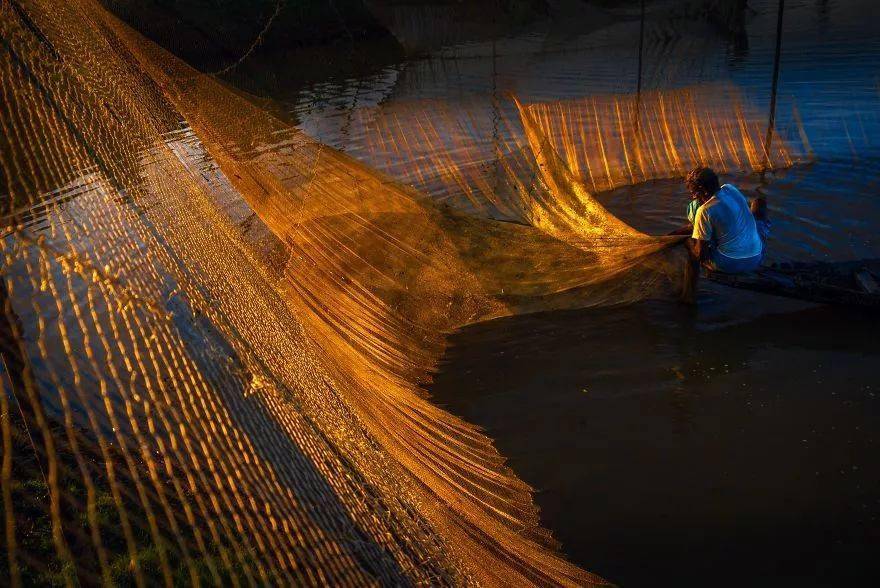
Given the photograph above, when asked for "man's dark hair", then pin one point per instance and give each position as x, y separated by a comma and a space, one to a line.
702, 181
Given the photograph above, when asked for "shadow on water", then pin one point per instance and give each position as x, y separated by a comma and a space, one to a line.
698, 448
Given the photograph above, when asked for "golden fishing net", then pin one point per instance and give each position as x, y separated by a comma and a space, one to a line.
216, 329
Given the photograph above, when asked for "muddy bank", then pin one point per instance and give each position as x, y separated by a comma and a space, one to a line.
210, 34
289, 41
304, 40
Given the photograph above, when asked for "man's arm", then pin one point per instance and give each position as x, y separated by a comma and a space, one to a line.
699, 249
701, 236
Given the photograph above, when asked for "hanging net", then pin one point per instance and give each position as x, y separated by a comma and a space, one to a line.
216, 330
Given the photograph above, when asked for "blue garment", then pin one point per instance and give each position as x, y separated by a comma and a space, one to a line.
726, 222
730, 265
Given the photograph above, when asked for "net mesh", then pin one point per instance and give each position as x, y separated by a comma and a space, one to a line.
216, 330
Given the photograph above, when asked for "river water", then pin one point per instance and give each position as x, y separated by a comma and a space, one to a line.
730, 443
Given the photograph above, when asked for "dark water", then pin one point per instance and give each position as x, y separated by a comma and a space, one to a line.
676, 447
731, 443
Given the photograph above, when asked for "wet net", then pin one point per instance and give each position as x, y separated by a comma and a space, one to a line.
216, 330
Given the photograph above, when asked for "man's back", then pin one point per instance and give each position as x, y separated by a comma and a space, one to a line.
726, 221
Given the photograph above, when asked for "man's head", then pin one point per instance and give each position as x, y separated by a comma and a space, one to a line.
702, 183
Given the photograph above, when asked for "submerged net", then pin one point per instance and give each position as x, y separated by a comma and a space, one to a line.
216, 330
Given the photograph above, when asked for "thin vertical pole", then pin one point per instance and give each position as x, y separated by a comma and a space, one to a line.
639, 80
772, 121
496, 116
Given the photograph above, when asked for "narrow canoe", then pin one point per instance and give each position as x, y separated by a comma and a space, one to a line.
850, 283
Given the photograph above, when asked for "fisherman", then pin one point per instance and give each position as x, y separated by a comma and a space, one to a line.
727, 234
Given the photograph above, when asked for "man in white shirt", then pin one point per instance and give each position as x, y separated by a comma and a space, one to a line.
726, 236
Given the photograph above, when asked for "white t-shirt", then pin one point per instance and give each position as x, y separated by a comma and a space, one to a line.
726, 221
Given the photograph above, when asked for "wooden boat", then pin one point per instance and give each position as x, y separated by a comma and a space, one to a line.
851, 283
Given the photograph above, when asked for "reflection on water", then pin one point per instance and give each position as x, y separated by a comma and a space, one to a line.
828, 67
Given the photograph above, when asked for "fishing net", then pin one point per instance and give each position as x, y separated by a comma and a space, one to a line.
216, 330
606, 141
611, 141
